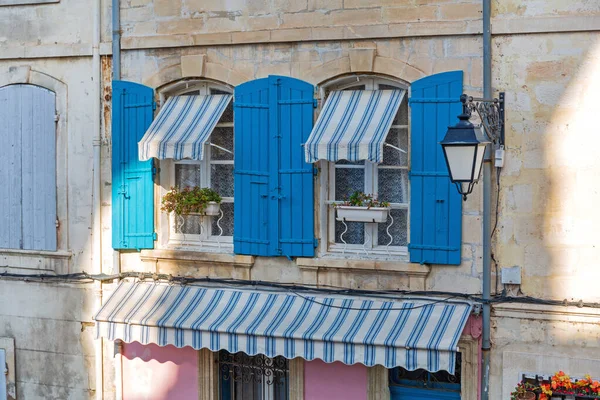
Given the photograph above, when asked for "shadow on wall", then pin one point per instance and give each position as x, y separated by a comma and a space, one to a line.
151, 372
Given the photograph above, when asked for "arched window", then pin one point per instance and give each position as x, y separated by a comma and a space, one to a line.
28, 214
388, 181
215, 170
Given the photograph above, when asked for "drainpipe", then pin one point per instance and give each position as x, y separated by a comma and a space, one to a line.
487, 188
96, 203
116, 40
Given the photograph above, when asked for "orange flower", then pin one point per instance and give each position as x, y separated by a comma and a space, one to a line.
543, 397
546, 389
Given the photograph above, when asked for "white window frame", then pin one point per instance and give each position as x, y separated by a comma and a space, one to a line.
327, 195
203, 242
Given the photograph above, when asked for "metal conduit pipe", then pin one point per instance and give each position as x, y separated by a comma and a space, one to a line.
487, 188
116, 40
96, 188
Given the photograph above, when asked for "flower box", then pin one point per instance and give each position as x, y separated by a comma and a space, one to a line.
362, 214
212, 208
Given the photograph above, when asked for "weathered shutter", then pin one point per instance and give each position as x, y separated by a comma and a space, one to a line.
132, 180
295, 189
252, 186
436, 206
273, 185
28, 168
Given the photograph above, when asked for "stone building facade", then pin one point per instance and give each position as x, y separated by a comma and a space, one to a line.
546, 57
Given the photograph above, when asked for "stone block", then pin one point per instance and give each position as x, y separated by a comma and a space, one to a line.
328, 70
205, 39
356, 17
251, 37
361, 60
460, 11
192, 65
410, 14
167, 8
291, 35
181, 26
325, 4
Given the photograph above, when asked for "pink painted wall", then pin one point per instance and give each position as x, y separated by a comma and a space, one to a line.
151, 372
333, 381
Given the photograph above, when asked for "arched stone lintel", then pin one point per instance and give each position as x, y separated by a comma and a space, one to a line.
196, 67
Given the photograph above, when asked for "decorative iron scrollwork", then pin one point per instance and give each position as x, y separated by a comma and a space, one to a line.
240, 367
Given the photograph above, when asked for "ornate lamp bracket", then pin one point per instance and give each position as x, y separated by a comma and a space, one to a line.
491, 114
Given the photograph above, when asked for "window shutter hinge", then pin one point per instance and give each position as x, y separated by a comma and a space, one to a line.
315, 103
154, 171
154, 105
316, 242
56, 117
154, 236
57, 222
315, 171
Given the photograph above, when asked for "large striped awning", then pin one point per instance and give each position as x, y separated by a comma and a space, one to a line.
412, 333
182, 127
353, 125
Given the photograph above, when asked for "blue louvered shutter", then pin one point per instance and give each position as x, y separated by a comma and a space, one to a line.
132, 180
273, 208
252, 186
436, 206
295, 193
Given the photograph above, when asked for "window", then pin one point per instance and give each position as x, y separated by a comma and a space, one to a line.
420, 383
214, 171
28, 214
259, 377
388, 181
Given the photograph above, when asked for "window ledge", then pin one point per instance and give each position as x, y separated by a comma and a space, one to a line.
38, 260
411, 269
186, 262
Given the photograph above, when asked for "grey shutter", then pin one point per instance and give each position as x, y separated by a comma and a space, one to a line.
27, 124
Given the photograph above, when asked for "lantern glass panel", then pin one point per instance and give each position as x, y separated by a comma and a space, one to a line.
460, 161
479, 161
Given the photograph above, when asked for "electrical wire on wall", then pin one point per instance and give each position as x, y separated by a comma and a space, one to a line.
447, 297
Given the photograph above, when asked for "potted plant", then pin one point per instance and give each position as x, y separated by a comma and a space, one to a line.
524, 391
361, 207
192, 201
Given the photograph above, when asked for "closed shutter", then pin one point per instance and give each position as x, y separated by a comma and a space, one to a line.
252, 186
28, 168
436, 206
273, 185
295, 110
132, 180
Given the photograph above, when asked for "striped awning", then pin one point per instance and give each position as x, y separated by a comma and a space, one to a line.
182, 127
412, 333
353, 125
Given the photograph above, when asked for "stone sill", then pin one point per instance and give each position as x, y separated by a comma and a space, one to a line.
545, 312
37, 260
197, 257
411, 269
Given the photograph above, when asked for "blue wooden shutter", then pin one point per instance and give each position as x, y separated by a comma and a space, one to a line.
132, 180
436, 206
252, 187
273, 205
28, 168
294, 118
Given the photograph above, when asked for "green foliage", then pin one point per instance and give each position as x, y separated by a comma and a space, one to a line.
360, 199
188, 200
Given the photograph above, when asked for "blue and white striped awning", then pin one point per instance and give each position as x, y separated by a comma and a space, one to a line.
353, 125
411, 333
182, 127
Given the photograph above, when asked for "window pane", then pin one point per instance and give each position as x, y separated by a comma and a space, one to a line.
398, 230
393, 185
222, 137
221, 179
354, 235
226, 222
391, 156
228, 113
402, 115
187, 175
187, 224
191, 93
347, 181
